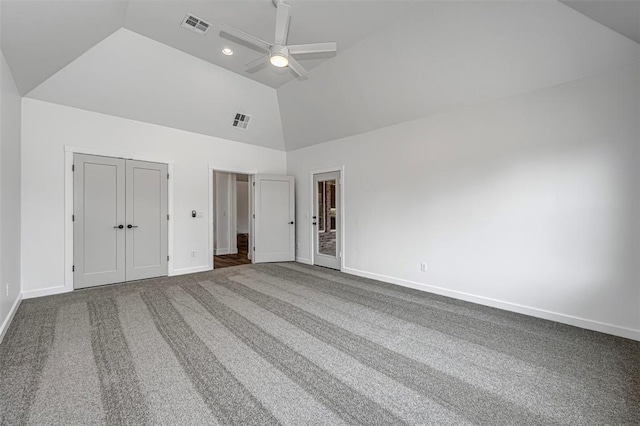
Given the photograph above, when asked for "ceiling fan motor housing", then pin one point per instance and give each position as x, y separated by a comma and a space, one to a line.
279, 50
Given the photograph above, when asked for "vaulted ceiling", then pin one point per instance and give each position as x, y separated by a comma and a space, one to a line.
62, 30
396, 60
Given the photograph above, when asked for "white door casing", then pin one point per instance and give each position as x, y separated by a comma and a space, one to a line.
146, 227
99, 201
274, 203
327, 239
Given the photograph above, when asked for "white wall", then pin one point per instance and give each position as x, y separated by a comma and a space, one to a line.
225, 221
47, 128
9, 194
242, 195
530, 203
131, 76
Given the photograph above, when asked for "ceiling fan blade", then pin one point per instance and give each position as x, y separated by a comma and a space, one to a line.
282, 23
297, 68
243, 38
254, 66
298, 49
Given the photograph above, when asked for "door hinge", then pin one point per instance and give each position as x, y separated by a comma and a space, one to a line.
73, 218
73, 167
254, 249
167, 175
73, 268
167, 257
167, 217
254, 216
254, 184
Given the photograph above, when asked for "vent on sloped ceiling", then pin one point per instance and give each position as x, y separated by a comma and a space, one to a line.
241, 121
195, 24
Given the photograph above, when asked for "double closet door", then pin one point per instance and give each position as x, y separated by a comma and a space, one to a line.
120, 220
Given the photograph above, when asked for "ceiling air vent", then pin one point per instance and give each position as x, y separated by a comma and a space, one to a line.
194, 24
241, 121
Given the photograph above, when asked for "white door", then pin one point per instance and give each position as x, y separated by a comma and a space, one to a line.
146, 217
274, 236
99, 220
120, 220
327, 220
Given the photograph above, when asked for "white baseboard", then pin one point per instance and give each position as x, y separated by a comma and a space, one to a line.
49, 291
303, 260
628, 333
193, 270
7, 320
222, 251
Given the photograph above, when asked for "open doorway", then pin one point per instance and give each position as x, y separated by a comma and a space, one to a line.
231, 219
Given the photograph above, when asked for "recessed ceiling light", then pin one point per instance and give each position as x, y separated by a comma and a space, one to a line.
227, 51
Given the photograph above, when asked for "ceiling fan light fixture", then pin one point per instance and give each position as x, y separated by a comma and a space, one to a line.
279, 60
227, 51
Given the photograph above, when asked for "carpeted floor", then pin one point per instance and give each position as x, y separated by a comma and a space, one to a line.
293, 344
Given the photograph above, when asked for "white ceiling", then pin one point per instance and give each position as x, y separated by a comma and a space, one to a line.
622, 16
61, 30
41, 37
448, 55
397, 60
345, 22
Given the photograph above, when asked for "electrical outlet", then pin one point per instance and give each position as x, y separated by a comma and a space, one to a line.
7, 289
193, 253
423, 266
298, 246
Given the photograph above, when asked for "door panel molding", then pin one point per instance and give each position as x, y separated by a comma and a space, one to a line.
69, 151
341, 211
99, 202
146, 219
120, 226
274, 221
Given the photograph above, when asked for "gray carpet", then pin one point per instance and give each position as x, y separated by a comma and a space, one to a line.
293, 344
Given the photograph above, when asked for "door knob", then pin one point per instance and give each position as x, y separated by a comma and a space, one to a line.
119, 226
291, 223
131, 226
314, 223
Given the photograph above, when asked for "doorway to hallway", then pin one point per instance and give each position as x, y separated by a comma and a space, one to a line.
270, 213
231, 219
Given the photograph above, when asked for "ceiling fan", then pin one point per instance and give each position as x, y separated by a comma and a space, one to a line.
278, 53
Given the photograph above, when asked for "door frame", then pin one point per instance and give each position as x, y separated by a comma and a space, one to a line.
225, 169
340, 170
68, 205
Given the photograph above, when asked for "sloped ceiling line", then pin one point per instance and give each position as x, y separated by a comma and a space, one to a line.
132, 59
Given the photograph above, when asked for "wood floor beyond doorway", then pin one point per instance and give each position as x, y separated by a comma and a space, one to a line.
238, 259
